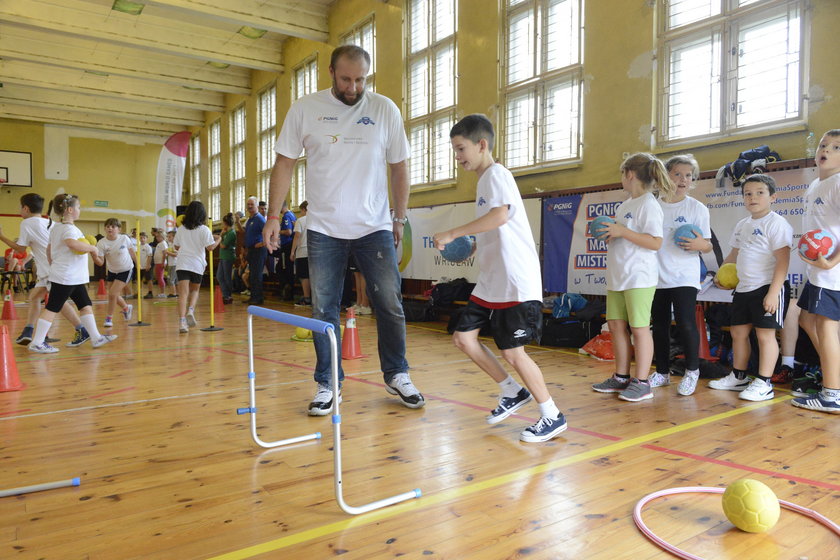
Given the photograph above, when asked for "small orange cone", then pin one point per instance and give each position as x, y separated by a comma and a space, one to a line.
9, 313
9, 378
219, 302
350, 347
101, 291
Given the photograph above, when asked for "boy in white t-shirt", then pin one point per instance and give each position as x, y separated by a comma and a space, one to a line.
820, 298
508, 294
146, 252
761, 246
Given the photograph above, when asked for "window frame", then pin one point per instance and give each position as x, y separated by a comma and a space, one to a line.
357, 31
266, 138
214, 180
195, 168
238, 157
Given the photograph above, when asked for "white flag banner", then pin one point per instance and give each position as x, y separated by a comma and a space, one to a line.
170, 178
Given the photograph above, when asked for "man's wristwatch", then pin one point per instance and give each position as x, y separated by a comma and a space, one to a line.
402, 221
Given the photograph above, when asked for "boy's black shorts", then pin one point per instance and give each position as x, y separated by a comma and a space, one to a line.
748, 308
302, 268
124, 277
512, 327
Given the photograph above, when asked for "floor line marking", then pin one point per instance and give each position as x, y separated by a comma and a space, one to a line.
463, 491
112, 392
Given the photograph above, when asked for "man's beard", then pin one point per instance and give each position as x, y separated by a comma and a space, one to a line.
341, 97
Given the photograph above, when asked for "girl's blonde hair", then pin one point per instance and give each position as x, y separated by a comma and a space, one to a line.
684, 159
651, 173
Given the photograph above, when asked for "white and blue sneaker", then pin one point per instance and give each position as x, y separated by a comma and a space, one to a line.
103, 340
817, 402
509, 405
544, 430
757, 390
43, 348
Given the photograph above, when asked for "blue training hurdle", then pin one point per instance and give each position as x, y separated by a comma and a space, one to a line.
320, 327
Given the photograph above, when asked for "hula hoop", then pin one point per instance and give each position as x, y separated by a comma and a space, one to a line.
637, 516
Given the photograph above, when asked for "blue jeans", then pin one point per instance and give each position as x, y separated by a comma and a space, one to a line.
256, 263
376, 258
225, 277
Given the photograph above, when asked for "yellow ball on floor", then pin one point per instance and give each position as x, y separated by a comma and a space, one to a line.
302, 333
751, 505
727, 276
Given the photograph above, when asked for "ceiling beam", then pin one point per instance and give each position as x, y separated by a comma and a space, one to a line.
85, 120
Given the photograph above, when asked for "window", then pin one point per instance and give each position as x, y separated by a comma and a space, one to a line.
542, 81
364, 35
214, 199
728, 66
305, 82
195, 167
237, 159
431, 75
266, 125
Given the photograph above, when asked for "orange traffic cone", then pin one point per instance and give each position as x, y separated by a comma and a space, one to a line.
101, 291
350, 347
9, 378
9, 313
219, 301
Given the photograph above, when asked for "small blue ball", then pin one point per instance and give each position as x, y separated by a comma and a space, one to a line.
597, 229
687, 231
459, 249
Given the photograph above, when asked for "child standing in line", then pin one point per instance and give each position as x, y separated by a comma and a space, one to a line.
679, 275
118, 251
146, 252
192, 239
633, 273
68, 275
159, 260
300, 256
172, 262
508, 295
761, 246
820, 298
227, 255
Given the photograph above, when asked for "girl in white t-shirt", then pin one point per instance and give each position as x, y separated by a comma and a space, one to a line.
118, 251
159, 260
68, 277
191, 241
633, 273
679, 275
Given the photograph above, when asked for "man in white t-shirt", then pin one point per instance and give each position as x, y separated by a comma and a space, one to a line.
347, 134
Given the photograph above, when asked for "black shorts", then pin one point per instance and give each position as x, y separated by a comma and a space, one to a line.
147, 275
124, 277
748, 308
512, 327
59, 294
302, 268
193, 277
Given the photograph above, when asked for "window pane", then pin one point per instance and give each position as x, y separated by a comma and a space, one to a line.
520, 55
683, 12
444, 83
443, 156
444, 19
418, 88
418, 25
768, 70
694, 104
561, 35
560, 130
519, 130
417, 163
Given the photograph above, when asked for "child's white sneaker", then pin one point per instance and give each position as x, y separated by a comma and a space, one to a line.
103, 340
729, 383
688, 383
757, 390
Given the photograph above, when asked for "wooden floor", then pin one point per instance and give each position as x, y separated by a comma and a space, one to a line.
169, 470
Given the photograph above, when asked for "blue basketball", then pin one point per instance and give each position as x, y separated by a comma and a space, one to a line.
685, 230
597, 229
459, 249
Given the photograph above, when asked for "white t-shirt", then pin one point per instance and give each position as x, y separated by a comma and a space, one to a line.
117, 253
35, 235
191, 245
301, 251
346, 148
756, 240
67, 267
822, 211
160, 252
146, 251
630, 266
509, 268
677, 267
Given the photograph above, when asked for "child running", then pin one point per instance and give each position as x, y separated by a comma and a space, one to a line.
191, 241
118, 251
508, 295
68, 276
633, 273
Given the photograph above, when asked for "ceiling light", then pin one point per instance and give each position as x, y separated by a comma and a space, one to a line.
251, 32
128, 7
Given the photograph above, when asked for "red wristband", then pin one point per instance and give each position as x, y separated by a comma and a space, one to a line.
274, 218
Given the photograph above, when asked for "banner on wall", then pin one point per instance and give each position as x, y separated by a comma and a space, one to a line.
576, 262
170, 178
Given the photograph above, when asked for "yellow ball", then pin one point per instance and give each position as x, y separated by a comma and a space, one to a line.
302, 333
83, 240
90, 239
751, 505
727, 276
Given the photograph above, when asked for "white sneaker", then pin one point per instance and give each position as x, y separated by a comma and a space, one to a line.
757, 390
659, 379
129, 309
323, 401
43, 348
191, 319
729, 383
108, 322
402, 386
161, 295
363, 310
688, 383
182, 326
105, 339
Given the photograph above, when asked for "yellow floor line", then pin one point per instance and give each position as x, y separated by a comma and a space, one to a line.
462, 491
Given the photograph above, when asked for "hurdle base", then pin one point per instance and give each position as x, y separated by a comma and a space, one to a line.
211, 328
139, 324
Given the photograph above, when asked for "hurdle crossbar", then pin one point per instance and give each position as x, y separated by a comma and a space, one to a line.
320, 327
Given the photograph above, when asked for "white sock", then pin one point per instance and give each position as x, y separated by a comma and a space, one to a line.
787, 361
692, 372
831, 394
41, 328
509, 387
89, 322
548, 409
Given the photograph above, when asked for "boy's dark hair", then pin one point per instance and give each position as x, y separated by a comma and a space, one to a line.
33, 201
113, 222
304, 205
228, 219
195, 215
474, 128
761, 178
353, 52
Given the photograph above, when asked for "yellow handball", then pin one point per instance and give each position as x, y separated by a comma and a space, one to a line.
727, 276
83, 240
751, 505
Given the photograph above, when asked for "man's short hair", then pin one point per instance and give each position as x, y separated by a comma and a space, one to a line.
761, 178
475, 127
353, 52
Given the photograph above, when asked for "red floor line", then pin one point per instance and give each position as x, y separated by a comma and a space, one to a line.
179, 374
747, 468
112, 392
11, 412
298, 366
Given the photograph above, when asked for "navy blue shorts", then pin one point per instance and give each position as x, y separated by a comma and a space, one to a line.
512, 327
820, 301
